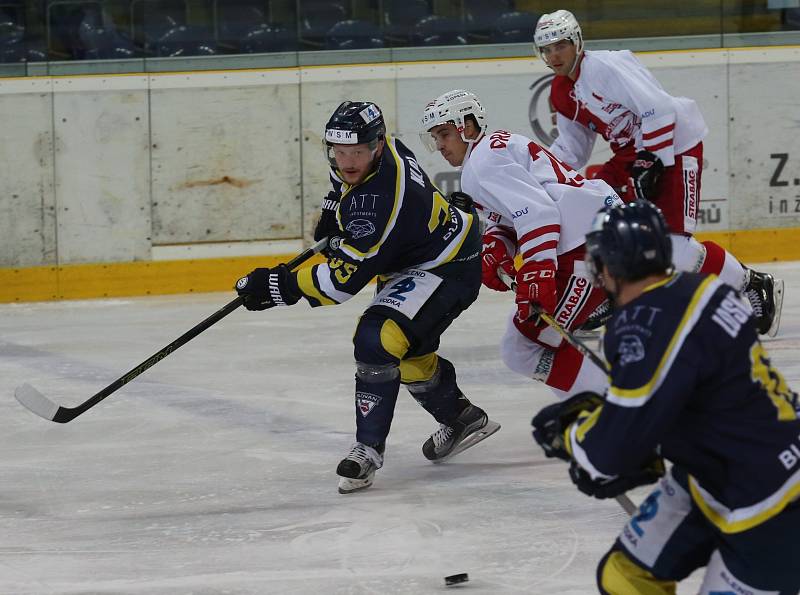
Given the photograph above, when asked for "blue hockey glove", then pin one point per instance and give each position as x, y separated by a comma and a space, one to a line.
266, 288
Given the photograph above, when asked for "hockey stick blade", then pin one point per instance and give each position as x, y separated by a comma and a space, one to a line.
32, 399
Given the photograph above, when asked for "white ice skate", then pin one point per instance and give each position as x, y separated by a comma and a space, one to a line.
357, 469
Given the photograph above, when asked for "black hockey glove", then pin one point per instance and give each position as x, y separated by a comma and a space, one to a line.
650, 472
552, 421
462, 201
327, 226
267, 288
645, 173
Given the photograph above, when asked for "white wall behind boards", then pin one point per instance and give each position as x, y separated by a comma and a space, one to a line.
102, 168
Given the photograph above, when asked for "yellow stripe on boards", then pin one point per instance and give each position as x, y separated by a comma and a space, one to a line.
84, 281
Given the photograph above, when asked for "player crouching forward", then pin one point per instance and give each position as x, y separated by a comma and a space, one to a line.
540, 209
425, 252
690, 381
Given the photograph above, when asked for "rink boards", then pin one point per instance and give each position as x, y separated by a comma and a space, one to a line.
110, 182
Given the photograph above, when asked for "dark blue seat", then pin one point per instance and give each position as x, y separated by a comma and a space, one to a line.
514, 27
99, 39
268, 38
164, 31
12, 30
235, 19
438, 30
400, 16
316, 19
63, 17
16, 45
244, 28
791, 18
481, 15
353, 35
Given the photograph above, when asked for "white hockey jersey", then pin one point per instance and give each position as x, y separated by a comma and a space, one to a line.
625, 103
519, 186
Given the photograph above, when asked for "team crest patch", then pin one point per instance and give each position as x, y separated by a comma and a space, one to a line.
360, 228
370, 113
365, 402
630, 350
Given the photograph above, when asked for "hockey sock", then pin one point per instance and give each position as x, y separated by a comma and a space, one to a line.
722, 263
573, 373
440, 395
375, 402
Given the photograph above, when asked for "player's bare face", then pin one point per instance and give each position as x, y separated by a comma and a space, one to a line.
560, 56
449, 143
355, 161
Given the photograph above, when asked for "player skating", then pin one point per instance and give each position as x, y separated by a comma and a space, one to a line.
690, 382
539, 208
426, 254
657, 143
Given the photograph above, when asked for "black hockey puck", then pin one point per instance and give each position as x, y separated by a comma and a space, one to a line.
456, 579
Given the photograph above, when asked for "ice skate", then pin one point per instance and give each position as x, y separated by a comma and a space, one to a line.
765, 294
357, 469
471, 426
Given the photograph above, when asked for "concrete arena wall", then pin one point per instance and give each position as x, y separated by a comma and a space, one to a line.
103, 177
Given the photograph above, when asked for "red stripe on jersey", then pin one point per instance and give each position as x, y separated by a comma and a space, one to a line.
551, 245
502, 232
659, 132
660, 145
555, 228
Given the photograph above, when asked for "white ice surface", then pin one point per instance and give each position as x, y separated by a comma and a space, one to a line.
214, 471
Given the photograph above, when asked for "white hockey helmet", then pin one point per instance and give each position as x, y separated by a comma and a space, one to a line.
554, 27
453, 106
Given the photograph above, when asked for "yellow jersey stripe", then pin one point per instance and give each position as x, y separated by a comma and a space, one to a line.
305, 280
458, 241
742, 519
636, 397
399, 191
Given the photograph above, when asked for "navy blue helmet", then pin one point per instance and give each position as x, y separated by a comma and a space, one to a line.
632, 240
354, 123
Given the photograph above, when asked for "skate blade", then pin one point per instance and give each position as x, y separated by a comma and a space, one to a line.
777, 295
477, 436
348, 485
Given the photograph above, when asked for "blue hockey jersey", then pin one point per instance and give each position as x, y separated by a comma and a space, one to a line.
395, 220
689, 375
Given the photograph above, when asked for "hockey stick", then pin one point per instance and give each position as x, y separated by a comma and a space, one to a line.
42, 406
625, 502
